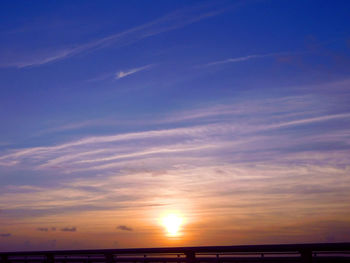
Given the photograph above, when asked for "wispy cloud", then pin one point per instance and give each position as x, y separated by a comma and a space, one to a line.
242, 121
272, 156
171, 21
42, 229
244, 58
69, 229
5, 234
123, 74
311, 120
239, 109
29, 60
217, 112
124, 228
46, 229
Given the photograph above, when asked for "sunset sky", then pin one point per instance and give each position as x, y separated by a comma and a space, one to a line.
228, 119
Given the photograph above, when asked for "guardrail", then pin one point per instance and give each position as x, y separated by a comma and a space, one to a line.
285, 253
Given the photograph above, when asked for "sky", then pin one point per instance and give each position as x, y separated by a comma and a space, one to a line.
233, 117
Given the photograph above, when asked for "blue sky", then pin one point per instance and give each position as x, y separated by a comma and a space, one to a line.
120, 109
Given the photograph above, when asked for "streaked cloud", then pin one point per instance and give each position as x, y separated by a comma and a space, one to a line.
124, 228
244, 58
312, 120
100, 146
69, 229
42, 229
277, 157
171, 21
123, 74
225, 123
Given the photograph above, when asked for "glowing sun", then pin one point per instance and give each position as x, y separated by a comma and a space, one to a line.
172, 224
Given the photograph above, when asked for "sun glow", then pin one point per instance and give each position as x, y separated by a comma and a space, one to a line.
172, 224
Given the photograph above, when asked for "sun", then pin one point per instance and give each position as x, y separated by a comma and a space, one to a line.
172, 224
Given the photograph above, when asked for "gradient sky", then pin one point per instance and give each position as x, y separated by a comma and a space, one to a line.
235, 115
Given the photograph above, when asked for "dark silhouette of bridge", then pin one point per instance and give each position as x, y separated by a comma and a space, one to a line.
283, 253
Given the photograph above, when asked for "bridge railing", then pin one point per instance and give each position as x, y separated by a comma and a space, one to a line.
303, 253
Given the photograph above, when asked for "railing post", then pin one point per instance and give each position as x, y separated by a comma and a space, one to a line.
262, 257
190, 257
109, 258
50, 258
4, 259
306, 256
